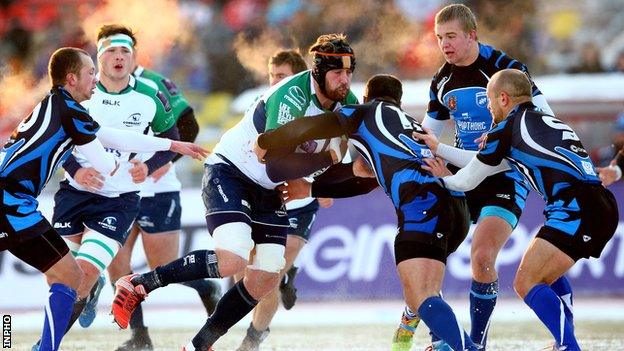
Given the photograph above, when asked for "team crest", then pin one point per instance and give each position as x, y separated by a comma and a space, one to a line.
452, 103
482, 99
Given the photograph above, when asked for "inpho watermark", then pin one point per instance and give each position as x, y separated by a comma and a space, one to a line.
6, 331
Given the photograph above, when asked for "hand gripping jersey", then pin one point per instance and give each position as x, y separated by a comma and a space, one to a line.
292, 98
459, 93
179, 105
556, 162
138, 108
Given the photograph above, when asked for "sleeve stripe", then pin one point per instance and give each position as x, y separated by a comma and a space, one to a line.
511, 63
498, 60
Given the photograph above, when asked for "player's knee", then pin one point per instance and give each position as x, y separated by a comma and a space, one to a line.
230, 263
522, 284
260, 283
269, 258
98, 251
235, 238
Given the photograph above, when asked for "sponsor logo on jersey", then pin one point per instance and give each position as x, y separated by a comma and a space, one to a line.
109, 223
283, 115
63, 225
294, 222
145, 221
3, 235
133, 121
296, 97
452, 103
111, 102
504, 196
481, 99
466, 126
442, 82
586, 238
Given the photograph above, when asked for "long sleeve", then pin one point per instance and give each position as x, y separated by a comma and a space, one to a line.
131, 141
470, 176
99, 159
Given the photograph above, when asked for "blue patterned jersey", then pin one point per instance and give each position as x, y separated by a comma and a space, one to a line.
44, 140
459, 93
544, 149
382, 133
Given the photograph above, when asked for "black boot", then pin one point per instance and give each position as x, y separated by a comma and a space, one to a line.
252, 340
287, 288
140, 341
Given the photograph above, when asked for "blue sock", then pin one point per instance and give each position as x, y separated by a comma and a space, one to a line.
439, 317
482, 301
551, 311
563, 289
57, 312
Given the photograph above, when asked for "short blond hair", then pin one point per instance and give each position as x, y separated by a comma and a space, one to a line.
459, 12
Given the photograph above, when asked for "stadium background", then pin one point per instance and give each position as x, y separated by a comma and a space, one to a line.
217, 52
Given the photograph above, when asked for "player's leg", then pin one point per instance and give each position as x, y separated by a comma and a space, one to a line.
228, 221
49, 254
140, 339
490, 234
496, 205
268, 232
264, 312
159, 221
421, 249
579, 224
542, 264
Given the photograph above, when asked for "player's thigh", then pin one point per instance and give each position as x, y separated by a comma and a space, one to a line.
542, 262
420, 279
300, 221
491, 233
121, 262
159, 222
160, 248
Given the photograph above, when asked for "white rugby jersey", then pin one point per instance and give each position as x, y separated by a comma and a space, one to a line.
293, 97
139, 108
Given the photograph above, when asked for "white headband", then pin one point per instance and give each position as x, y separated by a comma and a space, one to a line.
113, 41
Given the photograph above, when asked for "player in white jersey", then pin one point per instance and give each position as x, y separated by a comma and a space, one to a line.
158, 221
95, 222
244, 208
301, 217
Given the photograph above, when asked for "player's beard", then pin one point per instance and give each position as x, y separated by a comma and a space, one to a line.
339, 93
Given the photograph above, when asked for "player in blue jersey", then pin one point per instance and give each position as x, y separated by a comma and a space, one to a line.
37, 147
432, 221
458, 92
550, 155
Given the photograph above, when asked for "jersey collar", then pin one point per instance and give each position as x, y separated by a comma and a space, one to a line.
127, 89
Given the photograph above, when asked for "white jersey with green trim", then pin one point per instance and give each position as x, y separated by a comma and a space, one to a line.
293, 97
138, 108
169, 182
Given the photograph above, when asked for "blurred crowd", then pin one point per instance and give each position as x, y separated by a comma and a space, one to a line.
220, 47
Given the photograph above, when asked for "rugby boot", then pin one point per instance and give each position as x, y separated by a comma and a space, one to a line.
439, 345
127, 297
90, 310
139, 341
403, 336
287, 288
253, 339
190, 347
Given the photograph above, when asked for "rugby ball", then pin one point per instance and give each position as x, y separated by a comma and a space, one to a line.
317, 146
